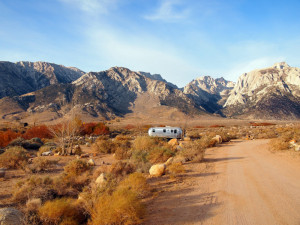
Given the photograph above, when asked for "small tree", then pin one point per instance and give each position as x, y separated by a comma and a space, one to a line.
65, 132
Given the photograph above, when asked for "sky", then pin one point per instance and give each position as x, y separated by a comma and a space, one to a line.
179, 39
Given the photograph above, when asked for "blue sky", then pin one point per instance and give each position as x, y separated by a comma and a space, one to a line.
179, 39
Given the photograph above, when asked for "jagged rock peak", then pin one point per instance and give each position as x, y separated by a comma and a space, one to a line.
24, 77
267, 92
280, 65
209, 84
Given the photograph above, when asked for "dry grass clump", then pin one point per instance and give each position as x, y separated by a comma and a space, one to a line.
14, 157
41, 164
122, 207
144, 143
62, 211
265, 133
122, 149
194, 134
76, 167
137, 183
279, 144
175, 168
140, 160
146, 150
70, 183
104, 146
122, 168
160, 154
195, 150
34, 187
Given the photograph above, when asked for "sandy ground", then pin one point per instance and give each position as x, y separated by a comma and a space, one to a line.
240, 183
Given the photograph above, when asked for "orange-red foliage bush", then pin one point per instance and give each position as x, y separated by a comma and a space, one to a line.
7, 136
216, 125
94, 128
261, 124
129, 127
38, 131
199, 127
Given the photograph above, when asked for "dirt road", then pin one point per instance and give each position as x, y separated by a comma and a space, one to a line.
240, 183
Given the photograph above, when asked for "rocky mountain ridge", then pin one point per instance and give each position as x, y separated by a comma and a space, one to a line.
271, 92
208, 92
40, 88
24, 77
104, 94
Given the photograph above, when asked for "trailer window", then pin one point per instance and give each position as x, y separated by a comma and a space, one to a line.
164, 130
171, 131
175, 131
153, 130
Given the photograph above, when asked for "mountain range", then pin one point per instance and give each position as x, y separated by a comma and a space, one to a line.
48, 91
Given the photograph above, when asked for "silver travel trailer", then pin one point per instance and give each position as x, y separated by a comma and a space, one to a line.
167, 132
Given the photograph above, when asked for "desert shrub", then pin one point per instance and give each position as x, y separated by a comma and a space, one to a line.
94, 128
225, 136
212, 143
76, 167
199, 126
122, 137
33, 144
122, 168
175, 168
195, 150
136, 182
77, 150
144, 143
17, 142
62, 211
129, 127
33, 204
34, 187
193, 134
266, 134
70, 185
104, 146
14, 157
289, 135
7, 136
261, 124
44, 149
140, 160
279, 144
122, 153
122, 149
216, 126
160, 154
41, 164
122, 207
101, 129
38, 131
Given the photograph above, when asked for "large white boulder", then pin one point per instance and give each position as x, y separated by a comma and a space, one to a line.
157, 170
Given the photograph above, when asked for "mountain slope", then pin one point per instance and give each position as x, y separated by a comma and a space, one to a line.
114, 92
209, 93
272, 92
24, 77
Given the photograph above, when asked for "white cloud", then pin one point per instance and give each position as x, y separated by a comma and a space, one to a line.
92, 6
140, 54
169, 11
249, 65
